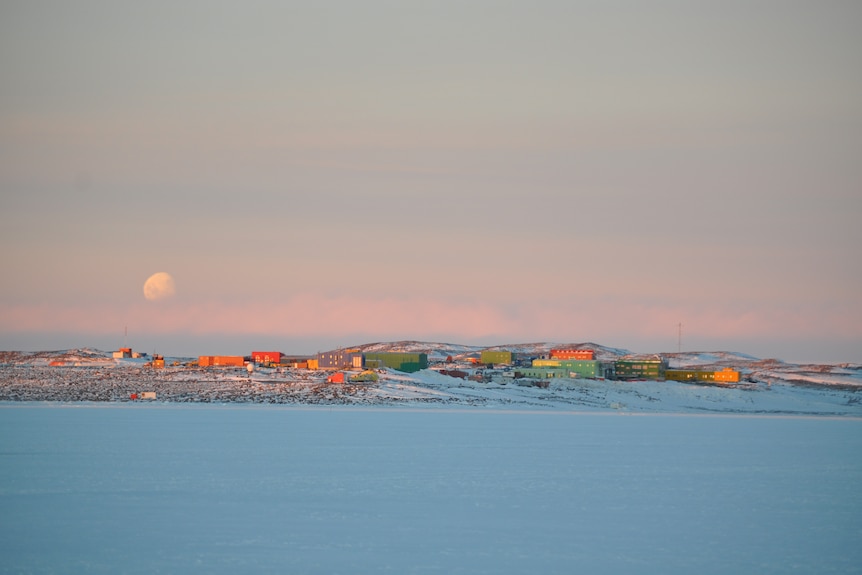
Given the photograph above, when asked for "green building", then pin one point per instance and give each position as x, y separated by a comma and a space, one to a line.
641, 368
541, 372
496, 357
407, 362
585, 368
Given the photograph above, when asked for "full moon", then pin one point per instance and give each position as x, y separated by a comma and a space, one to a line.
159, 286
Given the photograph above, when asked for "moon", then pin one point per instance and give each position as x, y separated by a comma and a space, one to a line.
159, 286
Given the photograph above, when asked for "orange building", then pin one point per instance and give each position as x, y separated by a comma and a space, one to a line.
727, 375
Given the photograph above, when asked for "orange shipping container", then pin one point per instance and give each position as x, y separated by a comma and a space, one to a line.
229, 360
221, 360
337, 377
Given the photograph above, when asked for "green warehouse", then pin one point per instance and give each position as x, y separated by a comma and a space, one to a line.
499, 357
407, 362
641, 368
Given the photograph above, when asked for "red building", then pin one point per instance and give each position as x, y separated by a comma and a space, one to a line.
572, 354
266, 356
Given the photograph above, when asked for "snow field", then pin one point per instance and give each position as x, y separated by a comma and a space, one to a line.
121, 488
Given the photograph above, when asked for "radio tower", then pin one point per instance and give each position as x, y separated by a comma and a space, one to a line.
679, 338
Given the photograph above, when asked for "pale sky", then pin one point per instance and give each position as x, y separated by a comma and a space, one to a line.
320, 174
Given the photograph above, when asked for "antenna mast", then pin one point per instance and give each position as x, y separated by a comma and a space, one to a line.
679, 338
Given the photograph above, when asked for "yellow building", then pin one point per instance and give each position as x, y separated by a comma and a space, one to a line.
546, 363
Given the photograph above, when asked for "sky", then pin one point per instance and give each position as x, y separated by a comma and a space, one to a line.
651, 176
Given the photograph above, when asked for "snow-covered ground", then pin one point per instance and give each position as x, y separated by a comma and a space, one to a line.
179, 488
629, 396
426, 388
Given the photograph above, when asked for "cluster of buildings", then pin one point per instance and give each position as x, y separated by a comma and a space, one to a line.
582, 363
127, 353
348, 359
558, 363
